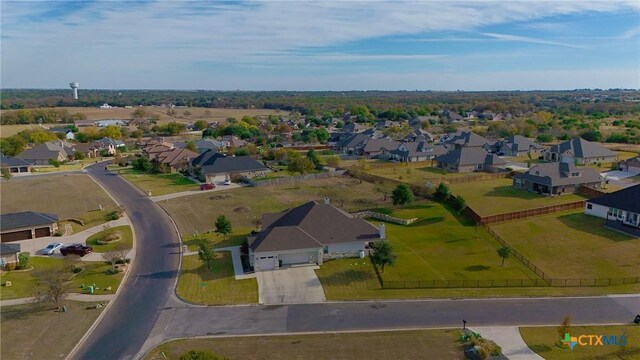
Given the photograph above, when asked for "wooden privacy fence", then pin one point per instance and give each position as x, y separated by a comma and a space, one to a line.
523, 214
468, 178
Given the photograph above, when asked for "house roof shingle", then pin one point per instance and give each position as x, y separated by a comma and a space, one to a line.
6, 249
558, 173
10, 161
470, 156
228, 164
26, 219
582, 148
627, 199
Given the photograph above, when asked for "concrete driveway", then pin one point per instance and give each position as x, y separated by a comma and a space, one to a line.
290, 285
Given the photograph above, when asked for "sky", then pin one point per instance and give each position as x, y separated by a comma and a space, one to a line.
315, 45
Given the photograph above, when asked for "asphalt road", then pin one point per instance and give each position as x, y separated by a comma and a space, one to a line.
130, 319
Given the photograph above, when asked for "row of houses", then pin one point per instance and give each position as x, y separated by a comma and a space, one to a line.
61, 150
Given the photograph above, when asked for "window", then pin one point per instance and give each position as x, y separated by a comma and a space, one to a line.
589, 206
326, 249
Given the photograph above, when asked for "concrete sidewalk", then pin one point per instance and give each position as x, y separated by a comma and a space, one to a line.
237, 262
72, 296
193, 192
509, 339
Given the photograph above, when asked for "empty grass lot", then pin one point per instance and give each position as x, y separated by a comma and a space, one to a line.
544, 341
90, 219
25, 284
158, 184
411, 344
198, 212
67, 196
36, 331
573, 245
498, 196
414, 172
126, 240
236, 238
198, 284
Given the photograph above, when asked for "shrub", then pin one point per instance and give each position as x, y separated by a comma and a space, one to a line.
10, 266
200, 355
24, 259
58, 233
55, 163
458, 203
112, 271
76, 269
112, 215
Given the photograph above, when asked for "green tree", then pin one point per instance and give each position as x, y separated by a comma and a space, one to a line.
200, 355
6, 174
313, 156
223, 226
332, 161
24, 260
459, 203
200, 125
139, 113
112, 132
382, 254
40, 137
504, 253
206, 254
442, 192
191, 145
78, 155
55, 163
12, 145
142, 164
300, 165
402, 195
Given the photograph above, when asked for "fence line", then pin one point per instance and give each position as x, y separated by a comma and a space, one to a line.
383, 217
522, 214
438, 284
469, 178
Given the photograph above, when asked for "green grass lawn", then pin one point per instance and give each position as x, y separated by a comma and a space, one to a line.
573, 245
90, 219
126, 240
74, 165
197, 284
234, 239
410, 344
35, 331
544, 341
158, 184
25, 284
498, 196
414, 172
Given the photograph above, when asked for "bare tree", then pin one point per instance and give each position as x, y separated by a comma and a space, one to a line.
256, 221
120, 253
54, 287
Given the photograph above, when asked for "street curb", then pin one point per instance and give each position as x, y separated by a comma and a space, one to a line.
124, 279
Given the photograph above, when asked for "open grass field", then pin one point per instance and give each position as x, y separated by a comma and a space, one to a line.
36, 331
67, 196
25, 284
198, 284
414, 172
573, 245
126, 240
498, 196
198, 212
10, 130
544, 341
158, 184
411, 344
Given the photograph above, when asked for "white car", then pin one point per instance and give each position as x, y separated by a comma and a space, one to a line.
51, 248
227, 182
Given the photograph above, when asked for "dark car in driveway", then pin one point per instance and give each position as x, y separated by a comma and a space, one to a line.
207, 186
76, 249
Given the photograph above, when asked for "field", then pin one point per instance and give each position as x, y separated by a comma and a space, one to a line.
67, 196
198, 212
573, 245
498, 196
158, 184
9, 130
543, 340
39, 332
126, 240
414, 172
25, 284
411, 344
197, 284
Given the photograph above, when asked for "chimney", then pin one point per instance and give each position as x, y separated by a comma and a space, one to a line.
327, 200
382, 231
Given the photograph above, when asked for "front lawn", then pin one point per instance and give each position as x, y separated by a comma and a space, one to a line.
410, 344
497, 196
90, 219
25, 284
125, 242
198, 284
158, 184
544, 341
35, 331
218, 241
573, 245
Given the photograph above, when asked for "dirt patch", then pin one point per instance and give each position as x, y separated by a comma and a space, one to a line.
241, 209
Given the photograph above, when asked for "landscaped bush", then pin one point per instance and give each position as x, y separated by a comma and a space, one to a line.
112, 271
24, 261
10, 266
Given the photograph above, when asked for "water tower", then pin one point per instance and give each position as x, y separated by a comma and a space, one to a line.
74, 87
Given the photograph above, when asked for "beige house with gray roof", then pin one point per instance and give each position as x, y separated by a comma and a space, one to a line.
557, 178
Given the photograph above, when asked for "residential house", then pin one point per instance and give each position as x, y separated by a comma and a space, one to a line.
354, 127
462, 139
233, 141
203, 145
68, 134
453, 116
27, 225
108, 145
354, 144
385, 124
309, 234
9, 254
557, 178
517, 145
174, 160
621, 209
116, 122
468, 159
579, 151
631, 165
15, 165
419, 135
57, 150
379, 148
214, 167
417, 151
105, 106
152, 150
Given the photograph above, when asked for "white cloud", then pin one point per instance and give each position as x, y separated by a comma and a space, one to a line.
526, 39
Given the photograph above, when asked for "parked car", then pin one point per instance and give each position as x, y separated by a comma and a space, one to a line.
51, 248
207, 186
227, 182
76, 249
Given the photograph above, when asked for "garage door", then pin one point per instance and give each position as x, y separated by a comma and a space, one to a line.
299, 258
15, 236
43, 232
266, 263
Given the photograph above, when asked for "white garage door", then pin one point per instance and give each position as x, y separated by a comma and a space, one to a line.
299, 258
266, 263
